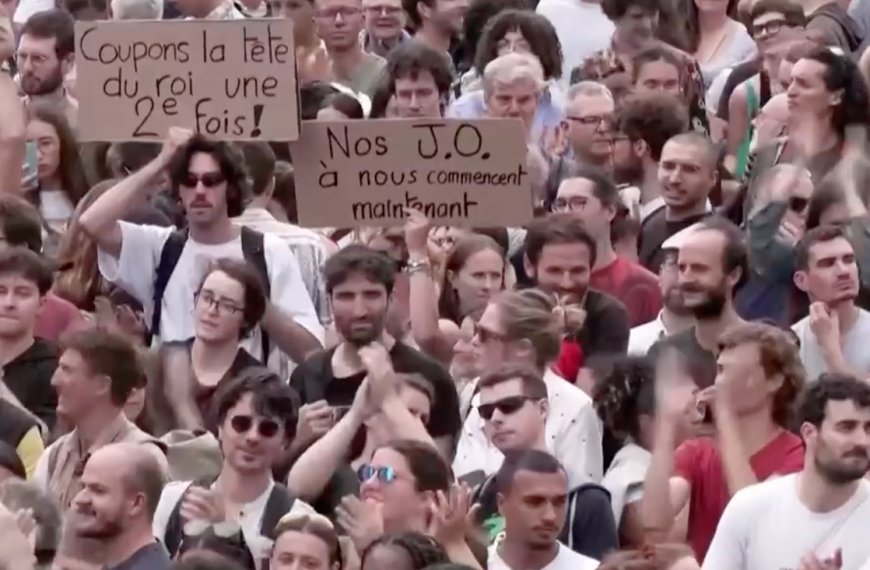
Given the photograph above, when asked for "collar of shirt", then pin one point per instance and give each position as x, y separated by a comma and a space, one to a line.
249, 518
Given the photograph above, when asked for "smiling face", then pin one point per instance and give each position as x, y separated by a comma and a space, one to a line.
384, 19
686, 175
77, 387
402, 504
247, 445
105, 505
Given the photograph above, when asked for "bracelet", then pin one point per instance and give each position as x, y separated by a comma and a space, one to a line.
417, 266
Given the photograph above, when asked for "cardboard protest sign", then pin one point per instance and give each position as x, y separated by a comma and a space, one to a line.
364, 173
230, 80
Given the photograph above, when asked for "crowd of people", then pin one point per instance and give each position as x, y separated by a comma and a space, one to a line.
663, 370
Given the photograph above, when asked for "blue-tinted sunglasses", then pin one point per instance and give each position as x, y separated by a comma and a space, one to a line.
384, 474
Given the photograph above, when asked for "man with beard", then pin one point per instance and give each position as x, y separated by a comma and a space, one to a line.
832, 336
815, 519
46, 54
359, 282
533, 499
162, 268
712, 265
674, 316
436, 22
759, 377
644, 123
559, 257
687, 174
121, 485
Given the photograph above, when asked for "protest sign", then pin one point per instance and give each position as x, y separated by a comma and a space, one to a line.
229, 80
365, 173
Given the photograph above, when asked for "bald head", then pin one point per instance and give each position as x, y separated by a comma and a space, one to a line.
137, 467
706, 147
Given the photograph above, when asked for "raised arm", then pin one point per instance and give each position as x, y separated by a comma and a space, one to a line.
13, 123
100, 220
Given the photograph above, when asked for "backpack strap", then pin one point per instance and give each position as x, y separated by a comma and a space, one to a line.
280, 502
254, 253
175, 527
169, 256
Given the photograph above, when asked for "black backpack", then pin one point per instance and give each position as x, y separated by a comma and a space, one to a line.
279, 503
252, 250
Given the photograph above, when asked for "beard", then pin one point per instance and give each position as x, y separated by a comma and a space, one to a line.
98, 530
34, 87
630, 172
674, 301
839, 472
711, 306
361, 335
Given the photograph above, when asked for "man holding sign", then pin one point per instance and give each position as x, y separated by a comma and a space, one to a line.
227, 80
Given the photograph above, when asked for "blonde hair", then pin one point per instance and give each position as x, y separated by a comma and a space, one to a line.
533, 315
512, 68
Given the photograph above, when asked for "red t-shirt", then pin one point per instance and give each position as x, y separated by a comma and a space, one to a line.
635, 286
56, 316
698, 462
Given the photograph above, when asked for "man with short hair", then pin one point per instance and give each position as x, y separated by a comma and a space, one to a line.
644, 123
817, 517
384, 26
27, 362
832, 336
512, 87
533, 499
559, 257
359, 282
759, 377
590, 197
688, 172
419, 78
339, 24
306, 245
436, 23
46, 54
121, 485
163, 267
94, 378
588, 120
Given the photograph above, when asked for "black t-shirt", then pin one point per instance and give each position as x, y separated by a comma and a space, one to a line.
314, 380
700, 361
656, 229
151, 557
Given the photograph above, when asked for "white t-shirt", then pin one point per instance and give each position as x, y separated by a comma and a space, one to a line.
135, 271
566, 559
625, 476
582, 29
56, 208
766, 527
854, 348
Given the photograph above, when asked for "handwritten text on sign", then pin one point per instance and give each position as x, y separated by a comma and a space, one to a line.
365, 173
232, 80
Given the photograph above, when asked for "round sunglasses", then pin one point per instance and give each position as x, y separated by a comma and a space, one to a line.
267, 428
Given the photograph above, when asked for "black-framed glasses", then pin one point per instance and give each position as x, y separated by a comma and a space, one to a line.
223, 306
267, 428
208, 180
573, 204
591, 120
770, 28
507, 406
383, 474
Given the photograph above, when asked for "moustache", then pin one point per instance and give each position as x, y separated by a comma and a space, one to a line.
858, 452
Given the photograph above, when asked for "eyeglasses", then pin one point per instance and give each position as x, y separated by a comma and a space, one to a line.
345, 12
222, 306
383, 10
485, 335
265, 427
383, 474
770, 28
591, 120
507, 406
209, 179
573, 204
798, 205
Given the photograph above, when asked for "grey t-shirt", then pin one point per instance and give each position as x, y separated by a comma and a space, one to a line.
854, 347
151, 557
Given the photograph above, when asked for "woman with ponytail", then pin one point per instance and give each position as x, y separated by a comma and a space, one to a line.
625, 402
525, 328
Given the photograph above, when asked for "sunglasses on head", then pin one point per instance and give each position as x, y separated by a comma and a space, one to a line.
265, 427
383, 474
209, 179
506, 406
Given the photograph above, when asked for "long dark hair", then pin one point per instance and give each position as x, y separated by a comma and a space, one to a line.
448, 300
693, 31
71, 172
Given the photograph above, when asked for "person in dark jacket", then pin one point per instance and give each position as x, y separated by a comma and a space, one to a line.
838, 28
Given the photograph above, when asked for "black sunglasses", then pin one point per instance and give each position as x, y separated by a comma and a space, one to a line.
209, 179
506, 406
267, 428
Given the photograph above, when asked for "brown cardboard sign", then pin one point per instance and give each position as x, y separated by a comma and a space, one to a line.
458, 172
229, 80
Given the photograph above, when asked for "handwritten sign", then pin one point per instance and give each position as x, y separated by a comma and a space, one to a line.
230, 80
365, 173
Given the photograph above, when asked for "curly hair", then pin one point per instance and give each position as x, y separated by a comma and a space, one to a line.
535, 29
778, 355
624, 394
423, 550
231, 161
653, 118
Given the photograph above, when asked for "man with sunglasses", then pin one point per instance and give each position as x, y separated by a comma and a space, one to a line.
257, 418
163, 267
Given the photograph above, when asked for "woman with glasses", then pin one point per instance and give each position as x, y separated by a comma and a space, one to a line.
228, 305
526, 328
